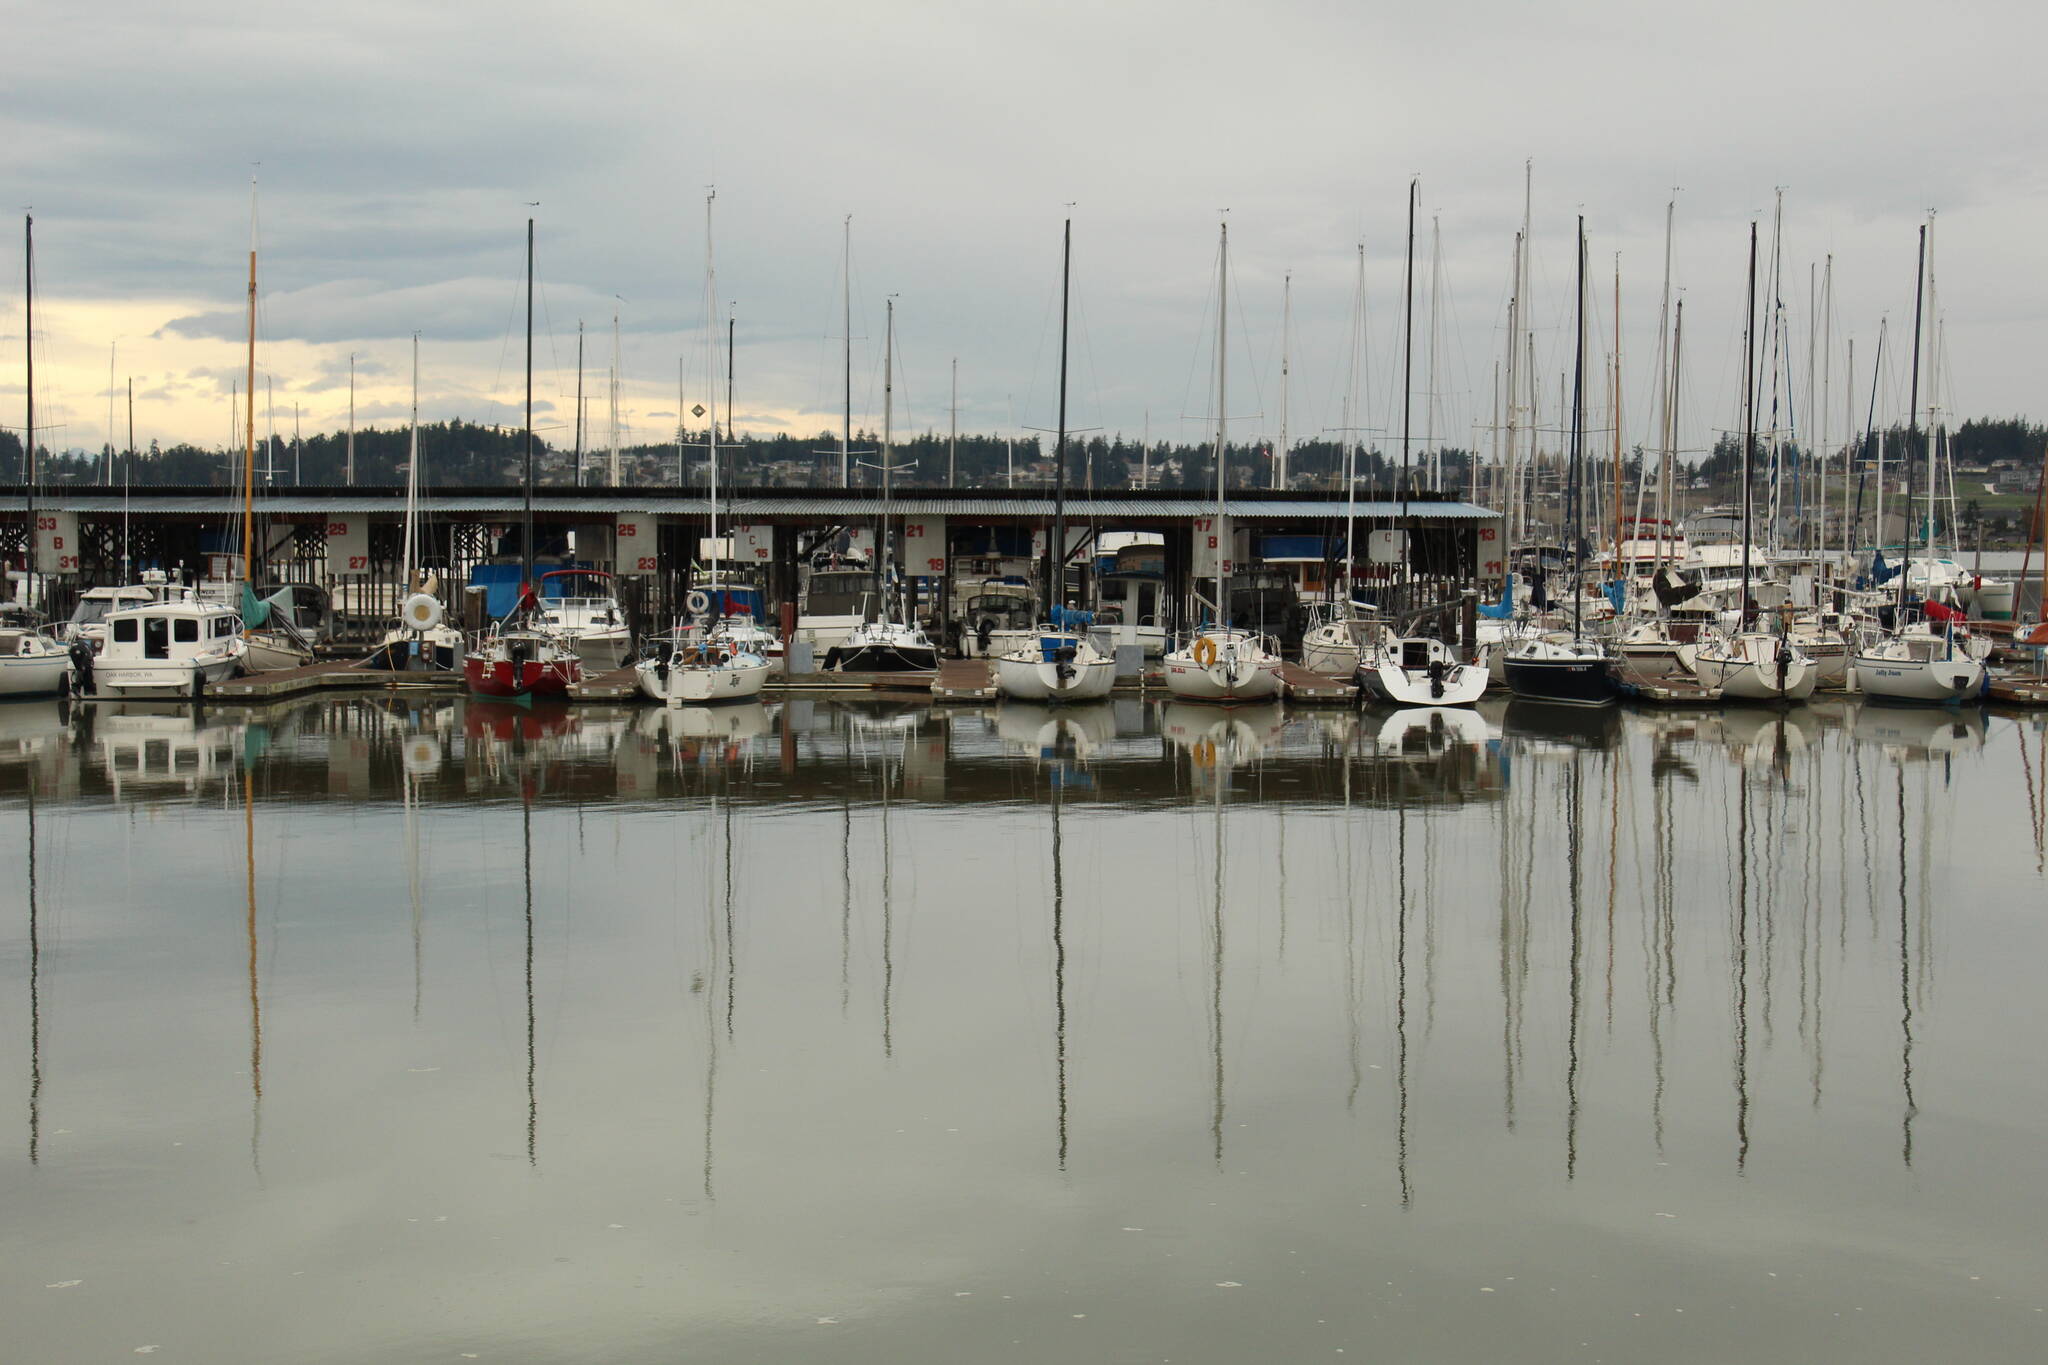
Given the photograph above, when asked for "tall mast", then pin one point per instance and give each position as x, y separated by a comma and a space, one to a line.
1408, 349
1913, 415
349, 464
953, 430
1616, 415
614, 471
1671, 421
888, 434
732, 325
711, 386
846, 335
412, 474
1748, 419
578, 420
249, 430
526, 478
1286, 325
1352, 424
1509, 473
1223, 536
1578, 453
1056, 590
1827, 346
1664, 365
1429, 433
28, 432
127, 476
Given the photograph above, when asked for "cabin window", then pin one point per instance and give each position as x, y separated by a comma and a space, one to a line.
156, 638
185, 630
126, 630
224, 626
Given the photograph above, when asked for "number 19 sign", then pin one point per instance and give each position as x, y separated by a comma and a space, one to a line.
348, 546
924, 546
633, 545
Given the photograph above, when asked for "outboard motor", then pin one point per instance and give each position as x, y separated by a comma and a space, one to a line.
1436, 677
984, 630
81, 668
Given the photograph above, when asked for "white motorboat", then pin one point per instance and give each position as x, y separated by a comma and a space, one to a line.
1419, 671
168, 649
995, 623
1755, 665
1225, 666
1918, 664
578, 607
33, 665
831, 605
1057, 666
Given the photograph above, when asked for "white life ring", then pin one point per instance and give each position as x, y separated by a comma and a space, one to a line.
699, 601
422, 611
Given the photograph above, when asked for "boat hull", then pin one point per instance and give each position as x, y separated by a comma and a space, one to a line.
885, 658
1926, 682
1036, 680
1747, 680
35, 675
702, 684
1459, 685
1571, 682
161, 677
504, 678
1220, 682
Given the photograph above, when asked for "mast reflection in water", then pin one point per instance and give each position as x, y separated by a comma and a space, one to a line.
1295, 1026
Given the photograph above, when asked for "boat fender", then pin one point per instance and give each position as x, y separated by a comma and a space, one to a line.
699, 601
1204, 651
422, 611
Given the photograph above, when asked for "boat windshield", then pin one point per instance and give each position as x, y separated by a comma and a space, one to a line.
837, 594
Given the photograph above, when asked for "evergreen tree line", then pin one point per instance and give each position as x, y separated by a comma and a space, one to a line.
462, 454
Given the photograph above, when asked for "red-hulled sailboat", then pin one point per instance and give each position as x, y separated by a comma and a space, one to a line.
519, 657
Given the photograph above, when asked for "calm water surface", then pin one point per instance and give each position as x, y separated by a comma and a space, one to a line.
846, 1032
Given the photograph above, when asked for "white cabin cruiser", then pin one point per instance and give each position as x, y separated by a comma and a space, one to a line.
168, 649
88, 620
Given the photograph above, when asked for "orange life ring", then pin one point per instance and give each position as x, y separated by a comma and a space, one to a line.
1204, 650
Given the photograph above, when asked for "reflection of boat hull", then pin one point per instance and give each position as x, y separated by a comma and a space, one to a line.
1561, 722
503, 678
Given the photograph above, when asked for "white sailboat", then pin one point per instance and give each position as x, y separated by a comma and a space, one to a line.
1337, 632
1058, 662
31, 663
1916, 660
1217, 663
423, 640
1748, 664
881, 644
698, 666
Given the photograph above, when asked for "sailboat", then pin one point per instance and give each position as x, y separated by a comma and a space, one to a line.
423, 640
31, 663
698, 664
1333, 640
882, 645
1917, 660
272, 642
1578, 670
1752, 664
1219, 663
1415, 670
1058, 663
519, 657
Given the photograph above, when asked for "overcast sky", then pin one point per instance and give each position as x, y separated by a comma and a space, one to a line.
400, 145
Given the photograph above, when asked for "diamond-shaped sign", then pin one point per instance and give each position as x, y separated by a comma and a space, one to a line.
697, 410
